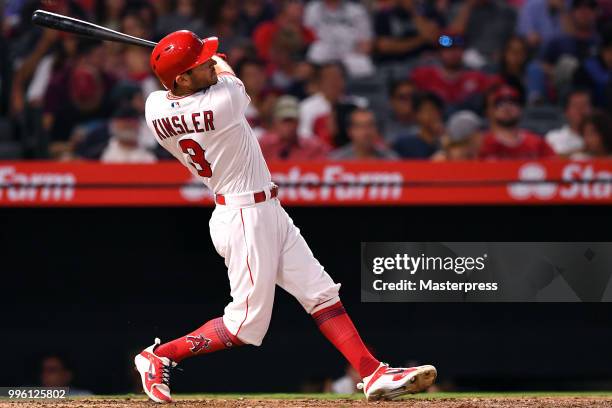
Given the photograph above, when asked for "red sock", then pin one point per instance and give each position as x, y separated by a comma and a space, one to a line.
211, 337
336, 325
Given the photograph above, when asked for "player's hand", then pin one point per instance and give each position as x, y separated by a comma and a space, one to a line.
221, 55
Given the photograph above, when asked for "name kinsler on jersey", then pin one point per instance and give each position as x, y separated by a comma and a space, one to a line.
178, 125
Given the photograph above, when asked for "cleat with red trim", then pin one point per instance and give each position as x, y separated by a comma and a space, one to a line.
388, 383
155, 373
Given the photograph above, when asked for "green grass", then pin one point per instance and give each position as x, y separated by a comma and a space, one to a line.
435, 395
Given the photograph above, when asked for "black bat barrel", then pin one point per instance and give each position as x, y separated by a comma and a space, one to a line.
85, 29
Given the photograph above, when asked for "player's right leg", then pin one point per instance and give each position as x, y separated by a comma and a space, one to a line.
304, 277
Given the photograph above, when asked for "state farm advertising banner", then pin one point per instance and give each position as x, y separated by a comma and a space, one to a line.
47, 184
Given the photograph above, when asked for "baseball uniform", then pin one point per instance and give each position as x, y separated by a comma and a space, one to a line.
209, 134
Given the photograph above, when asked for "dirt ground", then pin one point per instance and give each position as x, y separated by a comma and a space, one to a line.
532, 402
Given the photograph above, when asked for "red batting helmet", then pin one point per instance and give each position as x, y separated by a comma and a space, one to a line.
179, 52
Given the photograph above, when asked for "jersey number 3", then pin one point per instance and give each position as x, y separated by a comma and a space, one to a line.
196, 153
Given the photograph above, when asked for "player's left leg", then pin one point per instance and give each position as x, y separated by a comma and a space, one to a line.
155, 362
248, 239
303, 276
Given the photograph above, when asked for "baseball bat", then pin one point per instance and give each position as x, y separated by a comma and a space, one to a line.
85, 29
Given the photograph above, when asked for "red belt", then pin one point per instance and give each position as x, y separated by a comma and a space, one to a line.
258, 197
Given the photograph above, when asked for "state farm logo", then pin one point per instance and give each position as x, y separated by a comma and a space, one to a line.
22, 187
579, 180
333, 182
533, 173
336, 183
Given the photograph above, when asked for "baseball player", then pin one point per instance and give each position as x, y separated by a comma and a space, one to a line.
200, 121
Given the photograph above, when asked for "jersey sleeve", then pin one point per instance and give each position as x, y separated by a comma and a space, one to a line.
237, 98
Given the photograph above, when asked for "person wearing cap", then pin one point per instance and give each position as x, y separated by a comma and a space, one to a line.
123, 144
505, 140
463, 137
450, 80
283, 143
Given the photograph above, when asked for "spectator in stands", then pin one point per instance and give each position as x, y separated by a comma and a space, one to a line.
580, 39
76, 95
185, 15
426, 141
456, 85
489, 26
506, 140
134, 62
56, 371
463, 137
402, 32
344, 33
90, 140
286, 26
513, 65
31, 80
109, 13
224, 22
540, 21
365, 139
567, 140
400, 120
259, 112
562, 56
123, 144
283, 143
282, 44
596, 73
330, 98
596, 130
254, 13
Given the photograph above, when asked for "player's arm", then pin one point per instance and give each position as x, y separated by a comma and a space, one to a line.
222, 66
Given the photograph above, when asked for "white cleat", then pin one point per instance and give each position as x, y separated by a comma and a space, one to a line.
155, 373
388, 383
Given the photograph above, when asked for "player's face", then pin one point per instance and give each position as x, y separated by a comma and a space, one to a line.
200, 77
204, 75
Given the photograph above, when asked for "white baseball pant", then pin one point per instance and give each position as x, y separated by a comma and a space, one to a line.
263, 248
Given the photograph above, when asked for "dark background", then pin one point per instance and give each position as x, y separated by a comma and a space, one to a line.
99, 284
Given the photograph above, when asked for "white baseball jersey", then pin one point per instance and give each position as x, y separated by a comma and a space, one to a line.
208, 133
262, 248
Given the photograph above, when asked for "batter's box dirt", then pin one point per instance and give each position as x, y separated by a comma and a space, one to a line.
505, 402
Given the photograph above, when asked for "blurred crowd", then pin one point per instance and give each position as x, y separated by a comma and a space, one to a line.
341, 79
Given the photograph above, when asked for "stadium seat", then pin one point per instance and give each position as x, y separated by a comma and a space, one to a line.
541, 119
10, 150
6, 129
